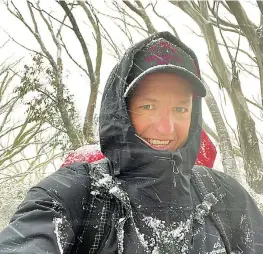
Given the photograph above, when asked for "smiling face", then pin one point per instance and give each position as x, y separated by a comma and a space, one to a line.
160, 109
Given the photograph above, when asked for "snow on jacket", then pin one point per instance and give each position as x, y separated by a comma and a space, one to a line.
158, 184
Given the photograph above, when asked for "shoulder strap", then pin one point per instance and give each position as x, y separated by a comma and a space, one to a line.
207, 185
102, 202
107, 194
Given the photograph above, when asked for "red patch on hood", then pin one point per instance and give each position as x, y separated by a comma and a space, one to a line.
91, 153
207, 152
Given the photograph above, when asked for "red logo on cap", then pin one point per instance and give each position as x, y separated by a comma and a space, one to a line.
165, 58
161, 59
196, 71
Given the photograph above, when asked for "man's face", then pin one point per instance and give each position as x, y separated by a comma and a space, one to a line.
160, 109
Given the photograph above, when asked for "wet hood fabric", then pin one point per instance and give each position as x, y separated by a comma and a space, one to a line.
160, 177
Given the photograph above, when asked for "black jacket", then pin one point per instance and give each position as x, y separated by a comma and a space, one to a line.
158, 184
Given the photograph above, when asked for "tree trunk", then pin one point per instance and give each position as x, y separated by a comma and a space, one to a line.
249, 29
248, 139
88, 128
225, 146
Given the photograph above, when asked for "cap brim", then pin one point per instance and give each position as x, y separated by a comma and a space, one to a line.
180, 71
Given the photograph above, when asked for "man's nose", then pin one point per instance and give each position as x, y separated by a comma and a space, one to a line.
165, 123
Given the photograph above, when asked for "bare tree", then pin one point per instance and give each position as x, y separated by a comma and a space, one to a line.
18, 130
56, 64
26, 151
93, 73
137, 17
229, 79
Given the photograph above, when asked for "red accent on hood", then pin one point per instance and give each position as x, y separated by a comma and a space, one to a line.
207, 152
88, 153
91, 153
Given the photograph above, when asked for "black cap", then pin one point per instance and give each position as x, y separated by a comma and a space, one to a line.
162, 56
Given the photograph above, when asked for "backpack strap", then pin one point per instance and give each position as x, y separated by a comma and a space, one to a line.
102, 181
112, 202
213, 196
93, 199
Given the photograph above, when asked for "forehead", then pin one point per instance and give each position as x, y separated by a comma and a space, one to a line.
160, 84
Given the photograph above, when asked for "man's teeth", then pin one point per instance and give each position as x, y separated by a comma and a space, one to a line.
158, 142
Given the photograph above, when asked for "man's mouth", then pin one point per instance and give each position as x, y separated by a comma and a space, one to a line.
157, 144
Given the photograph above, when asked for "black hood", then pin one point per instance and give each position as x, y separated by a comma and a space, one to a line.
167, 172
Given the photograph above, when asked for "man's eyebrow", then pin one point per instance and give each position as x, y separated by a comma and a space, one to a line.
182, 101
145, 98
185, 101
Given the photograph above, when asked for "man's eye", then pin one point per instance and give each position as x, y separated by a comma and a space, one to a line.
147, 107
180, 110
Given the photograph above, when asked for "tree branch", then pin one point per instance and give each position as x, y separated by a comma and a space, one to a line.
81, 40
260, 6
209, 131
71, 57
142, 13
249, 29
34, 51
61, 22
254, 104
96, 28
166, 20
